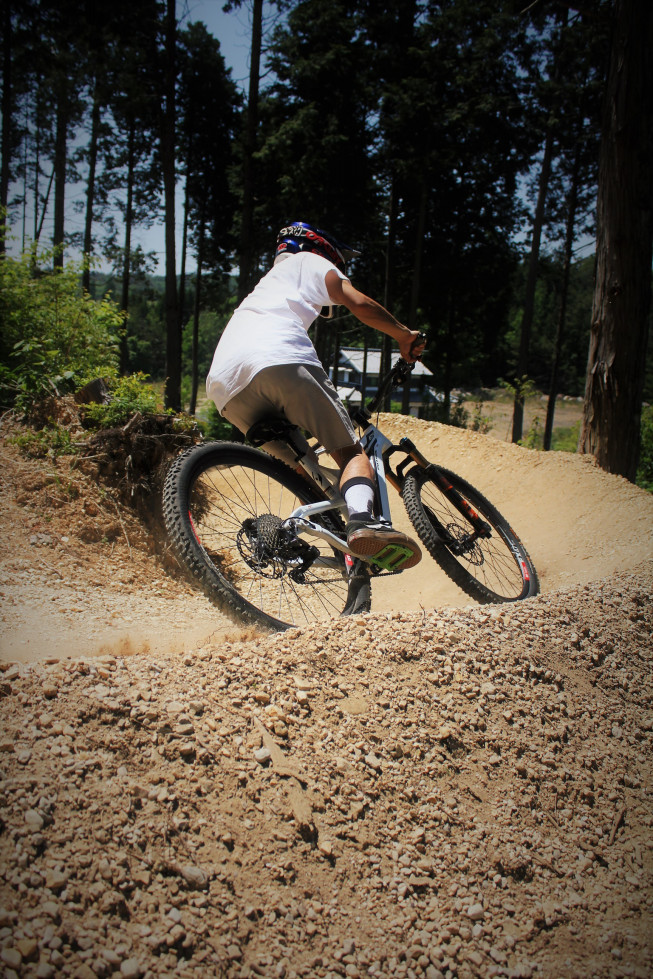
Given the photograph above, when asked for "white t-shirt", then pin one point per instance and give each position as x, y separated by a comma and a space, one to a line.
270, 327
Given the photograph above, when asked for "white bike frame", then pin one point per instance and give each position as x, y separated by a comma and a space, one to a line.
374, 444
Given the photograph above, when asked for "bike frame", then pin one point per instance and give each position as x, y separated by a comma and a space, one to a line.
375, 444
378, 449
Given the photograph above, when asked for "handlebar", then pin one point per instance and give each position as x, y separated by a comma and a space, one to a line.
398, 374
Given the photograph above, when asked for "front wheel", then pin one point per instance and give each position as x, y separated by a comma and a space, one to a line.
492, 568
224, 505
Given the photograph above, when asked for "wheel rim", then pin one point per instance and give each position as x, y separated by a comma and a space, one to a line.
236, 513
495, 563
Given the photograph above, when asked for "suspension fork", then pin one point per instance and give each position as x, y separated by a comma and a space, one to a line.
481, 528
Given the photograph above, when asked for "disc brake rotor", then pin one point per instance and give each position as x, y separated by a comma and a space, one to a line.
468, 547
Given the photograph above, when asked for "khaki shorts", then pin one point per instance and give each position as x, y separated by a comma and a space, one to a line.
301, 393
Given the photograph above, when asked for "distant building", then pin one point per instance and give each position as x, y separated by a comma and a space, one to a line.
352, 367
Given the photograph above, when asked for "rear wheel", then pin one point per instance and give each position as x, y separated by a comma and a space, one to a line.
224, 505
495, 568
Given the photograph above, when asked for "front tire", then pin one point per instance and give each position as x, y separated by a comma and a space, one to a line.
223, 506
493, 569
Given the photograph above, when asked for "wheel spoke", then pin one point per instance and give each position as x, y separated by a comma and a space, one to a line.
222, 498
494, 568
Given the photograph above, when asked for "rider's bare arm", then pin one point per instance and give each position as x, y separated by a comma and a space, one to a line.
343, 293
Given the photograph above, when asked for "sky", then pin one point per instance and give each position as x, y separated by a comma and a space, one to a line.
232, 31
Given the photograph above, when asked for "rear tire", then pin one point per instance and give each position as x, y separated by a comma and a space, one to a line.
223, 504
494, 569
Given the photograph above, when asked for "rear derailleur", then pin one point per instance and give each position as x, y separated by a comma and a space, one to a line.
273, 551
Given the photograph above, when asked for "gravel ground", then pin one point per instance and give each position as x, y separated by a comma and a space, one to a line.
461, 791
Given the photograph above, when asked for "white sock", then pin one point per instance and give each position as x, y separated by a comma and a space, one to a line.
358, 494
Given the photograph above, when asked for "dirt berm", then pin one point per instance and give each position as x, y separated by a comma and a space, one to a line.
435, 789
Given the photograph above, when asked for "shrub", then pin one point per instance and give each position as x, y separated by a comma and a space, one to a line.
54, 336
216, 428
53, 441
480, 422
534, 436
565, 439
128, 396
457, 415
645, 468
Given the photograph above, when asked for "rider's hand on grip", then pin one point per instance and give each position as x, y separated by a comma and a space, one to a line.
417, 346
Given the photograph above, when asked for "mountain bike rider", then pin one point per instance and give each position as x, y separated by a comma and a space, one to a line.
265, 366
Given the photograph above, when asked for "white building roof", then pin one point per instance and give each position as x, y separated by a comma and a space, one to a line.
352, 395
353, 357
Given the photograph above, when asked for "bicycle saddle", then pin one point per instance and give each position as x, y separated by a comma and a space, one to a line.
270, 430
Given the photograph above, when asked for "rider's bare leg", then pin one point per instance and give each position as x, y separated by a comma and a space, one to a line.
366, 537
352, 462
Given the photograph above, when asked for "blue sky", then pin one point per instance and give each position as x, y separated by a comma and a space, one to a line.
232, 31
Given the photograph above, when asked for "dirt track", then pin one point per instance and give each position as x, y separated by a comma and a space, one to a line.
67, 597
435, 789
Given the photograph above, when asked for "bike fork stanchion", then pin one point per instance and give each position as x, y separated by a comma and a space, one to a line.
461, 504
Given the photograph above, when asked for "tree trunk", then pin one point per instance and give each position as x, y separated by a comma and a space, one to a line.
247, 249
388, 292
127, 248
39, 215
336, 354
364, 374
529, 299
446, 359
619, 331
416, 284
90, 192
7, 100
173, 336
46, 201
196, 320
182, 274
37, 165
25, 185
572, 202
60, 148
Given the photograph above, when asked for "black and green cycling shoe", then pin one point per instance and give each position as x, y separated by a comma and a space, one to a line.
382, 545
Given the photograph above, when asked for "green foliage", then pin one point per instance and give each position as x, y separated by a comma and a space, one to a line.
522, 388
573, 357
480, 422
645, 468
565, 439
211, 324
54, 337
129, 396
216, 428
534, 436
447, 414
53, 440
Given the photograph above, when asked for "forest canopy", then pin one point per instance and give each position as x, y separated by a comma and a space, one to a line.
457, 143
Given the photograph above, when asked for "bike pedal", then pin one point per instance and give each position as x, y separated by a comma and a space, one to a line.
392, 557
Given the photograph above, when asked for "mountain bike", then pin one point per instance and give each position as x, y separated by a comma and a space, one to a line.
268, 545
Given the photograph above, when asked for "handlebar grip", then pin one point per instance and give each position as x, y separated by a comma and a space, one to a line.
419, 339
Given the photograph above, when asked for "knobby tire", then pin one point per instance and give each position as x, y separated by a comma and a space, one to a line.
214, 495
497, 569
